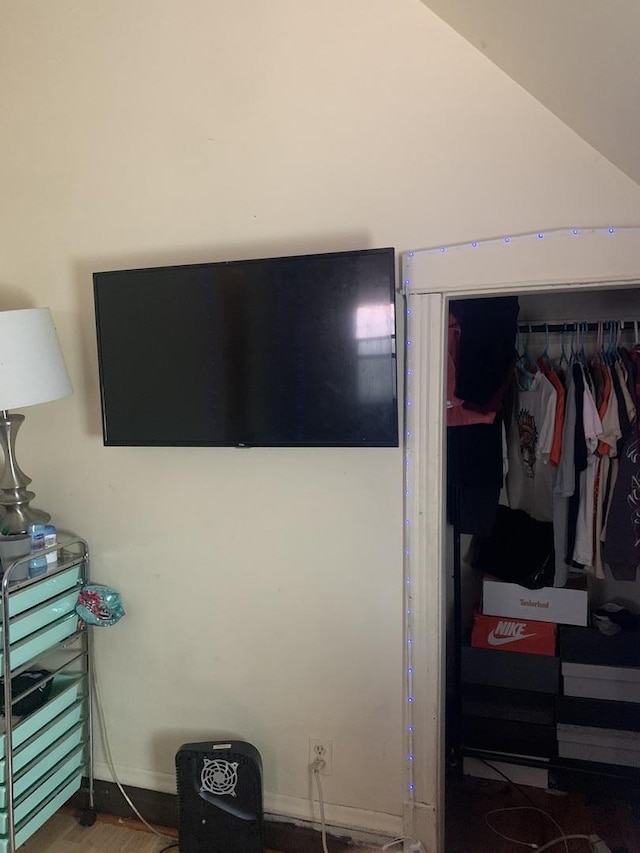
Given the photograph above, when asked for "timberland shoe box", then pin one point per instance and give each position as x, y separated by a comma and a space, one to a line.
513, 635
566, 605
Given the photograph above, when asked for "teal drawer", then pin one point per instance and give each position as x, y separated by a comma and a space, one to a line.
37, 818
31, 799
44, 762
58, 727
39, 617
65, 691
40, 641
31, 594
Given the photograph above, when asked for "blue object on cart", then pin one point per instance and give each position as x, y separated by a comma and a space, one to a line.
99, 605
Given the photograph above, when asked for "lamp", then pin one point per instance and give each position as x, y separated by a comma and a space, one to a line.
32, 371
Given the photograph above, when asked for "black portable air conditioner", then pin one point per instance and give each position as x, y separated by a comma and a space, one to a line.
220, 798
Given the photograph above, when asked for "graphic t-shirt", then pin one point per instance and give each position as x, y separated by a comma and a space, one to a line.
529, 484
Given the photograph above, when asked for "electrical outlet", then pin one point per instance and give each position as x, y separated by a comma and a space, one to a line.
321, 747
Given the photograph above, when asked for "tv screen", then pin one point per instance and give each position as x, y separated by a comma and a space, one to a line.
276, 352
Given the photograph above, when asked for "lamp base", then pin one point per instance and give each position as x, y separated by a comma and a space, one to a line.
17, 519
15, 512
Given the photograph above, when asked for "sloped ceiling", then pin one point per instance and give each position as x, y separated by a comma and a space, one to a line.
580, 58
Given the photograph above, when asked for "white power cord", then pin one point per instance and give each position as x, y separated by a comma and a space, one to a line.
597, 844
316, 767
519, 809
107, 749
414, 847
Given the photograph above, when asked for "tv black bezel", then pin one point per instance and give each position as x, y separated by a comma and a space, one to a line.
393, 441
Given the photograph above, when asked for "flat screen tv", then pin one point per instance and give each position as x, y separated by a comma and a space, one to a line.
276, 352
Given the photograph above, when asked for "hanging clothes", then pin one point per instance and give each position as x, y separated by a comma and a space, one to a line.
457, 413
565, 482
583, 549
621, 549
486, 352
529, 483
481, 355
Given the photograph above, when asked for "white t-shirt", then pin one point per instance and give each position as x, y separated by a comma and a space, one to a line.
529, 484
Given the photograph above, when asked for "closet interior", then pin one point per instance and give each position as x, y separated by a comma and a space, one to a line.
543, 540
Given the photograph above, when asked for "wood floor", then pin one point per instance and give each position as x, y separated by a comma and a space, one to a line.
63, 834
469, 801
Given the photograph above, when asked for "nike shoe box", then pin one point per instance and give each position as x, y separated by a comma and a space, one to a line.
498, 668
513, 635
566, 605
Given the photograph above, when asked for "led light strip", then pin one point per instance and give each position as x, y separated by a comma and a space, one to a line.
509, 239
408, 598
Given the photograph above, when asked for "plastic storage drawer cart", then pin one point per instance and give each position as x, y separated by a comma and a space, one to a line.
46, 752
220, 798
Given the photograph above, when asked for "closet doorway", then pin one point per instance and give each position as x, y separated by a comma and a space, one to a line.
545, 271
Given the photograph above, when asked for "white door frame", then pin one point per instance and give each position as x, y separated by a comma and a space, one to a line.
539, 262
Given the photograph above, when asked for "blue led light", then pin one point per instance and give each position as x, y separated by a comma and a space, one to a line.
409, 698
408, 311
442, 249
408, 343
410, 254
410, 729
409, 670
506, 239
611, 230
410, 757
409, 372
411, 786
407, 493
540, 236
575, 231
474, 245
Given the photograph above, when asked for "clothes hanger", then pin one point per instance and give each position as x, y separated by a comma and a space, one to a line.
525, 367
545, 358
583, 353
563, 361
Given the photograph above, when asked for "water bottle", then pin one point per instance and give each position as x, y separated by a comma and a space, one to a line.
37, 564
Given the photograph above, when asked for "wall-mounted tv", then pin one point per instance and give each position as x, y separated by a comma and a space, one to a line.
278, 352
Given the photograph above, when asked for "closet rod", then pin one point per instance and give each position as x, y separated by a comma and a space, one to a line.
569, 325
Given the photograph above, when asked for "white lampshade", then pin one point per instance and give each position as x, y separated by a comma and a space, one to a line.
32, 369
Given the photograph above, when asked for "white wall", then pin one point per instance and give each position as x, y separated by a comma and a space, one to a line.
263, 587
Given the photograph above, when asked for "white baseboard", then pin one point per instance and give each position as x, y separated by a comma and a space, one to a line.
359, 824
